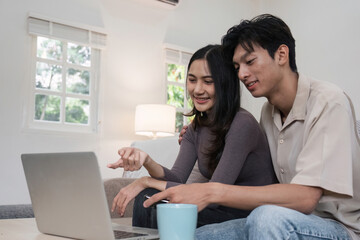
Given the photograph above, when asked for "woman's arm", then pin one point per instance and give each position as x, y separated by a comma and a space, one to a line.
155, 170
126, 194
132, 159
184, 162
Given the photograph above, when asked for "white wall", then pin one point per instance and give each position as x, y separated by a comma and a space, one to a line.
132, 71
327, 35
14, 87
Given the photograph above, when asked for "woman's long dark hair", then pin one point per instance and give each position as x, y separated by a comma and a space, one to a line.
227, 101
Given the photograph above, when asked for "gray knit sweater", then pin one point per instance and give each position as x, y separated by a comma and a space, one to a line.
245, 160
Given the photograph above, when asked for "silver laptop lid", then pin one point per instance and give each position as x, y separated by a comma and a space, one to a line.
67, 195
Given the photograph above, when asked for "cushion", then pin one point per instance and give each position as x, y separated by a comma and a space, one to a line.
112, 187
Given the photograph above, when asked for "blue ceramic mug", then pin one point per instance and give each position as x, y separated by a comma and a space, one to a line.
176, 221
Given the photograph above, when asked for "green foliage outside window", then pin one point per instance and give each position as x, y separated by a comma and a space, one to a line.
176, 92
47, 108
48, 76
77, 111
175, 96
78, 81
179, 121
176, 73
79, 55
49, 48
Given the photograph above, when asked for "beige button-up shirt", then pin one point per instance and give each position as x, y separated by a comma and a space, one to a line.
318, 146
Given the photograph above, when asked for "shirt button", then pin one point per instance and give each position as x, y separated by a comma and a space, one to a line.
281, 135
282, 170
281, 141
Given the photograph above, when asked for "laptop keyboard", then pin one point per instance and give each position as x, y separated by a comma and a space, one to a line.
122, 234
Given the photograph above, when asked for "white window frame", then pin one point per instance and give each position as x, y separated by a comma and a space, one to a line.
174, 54
81, 35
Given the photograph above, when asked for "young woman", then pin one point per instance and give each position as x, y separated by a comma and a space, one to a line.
225, 139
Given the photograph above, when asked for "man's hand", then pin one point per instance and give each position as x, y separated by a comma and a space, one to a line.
182, 132
196, 193
131, 159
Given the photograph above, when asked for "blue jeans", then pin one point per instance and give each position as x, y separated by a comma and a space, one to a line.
274, 222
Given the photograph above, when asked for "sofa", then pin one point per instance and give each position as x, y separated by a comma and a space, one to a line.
164, 150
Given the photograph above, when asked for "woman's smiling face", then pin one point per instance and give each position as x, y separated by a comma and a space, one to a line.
200, 85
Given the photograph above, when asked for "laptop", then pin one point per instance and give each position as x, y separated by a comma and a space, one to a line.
68, 198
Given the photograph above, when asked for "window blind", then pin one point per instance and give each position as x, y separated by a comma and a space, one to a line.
177, 56
53, 29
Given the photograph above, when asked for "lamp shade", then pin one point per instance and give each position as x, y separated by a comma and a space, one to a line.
155, 120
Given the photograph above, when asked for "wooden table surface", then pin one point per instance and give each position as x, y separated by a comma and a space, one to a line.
26, 229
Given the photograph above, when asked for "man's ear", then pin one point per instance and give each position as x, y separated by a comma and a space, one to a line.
282, 54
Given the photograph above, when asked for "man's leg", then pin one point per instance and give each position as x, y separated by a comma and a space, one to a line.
274, 222
233, 229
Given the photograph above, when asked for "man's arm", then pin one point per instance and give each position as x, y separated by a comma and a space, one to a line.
298, 197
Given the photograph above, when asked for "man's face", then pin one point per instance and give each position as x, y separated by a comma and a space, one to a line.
257, 71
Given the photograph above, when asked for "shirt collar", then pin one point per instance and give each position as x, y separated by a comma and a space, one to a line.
298, 110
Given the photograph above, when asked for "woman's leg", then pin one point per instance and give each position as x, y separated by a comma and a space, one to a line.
219, 214
144, 217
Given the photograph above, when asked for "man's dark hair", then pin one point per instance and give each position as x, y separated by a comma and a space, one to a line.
227, 101
266, 31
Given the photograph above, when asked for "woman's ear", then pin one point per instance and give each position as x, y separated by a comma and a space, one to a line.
282, 54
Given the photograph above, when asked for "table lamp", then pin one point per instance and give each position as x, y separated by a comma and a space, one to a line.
155, 120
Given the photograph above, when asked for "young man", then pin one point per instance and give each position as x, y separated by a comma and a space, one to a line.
311, 130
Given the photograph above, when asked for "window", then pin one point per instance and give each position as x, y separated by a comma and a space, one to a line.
176, 62
65, 76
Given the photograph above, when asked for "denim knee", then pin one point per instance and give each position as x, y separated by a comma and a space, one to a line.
263, 213
266, 216
275, 222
